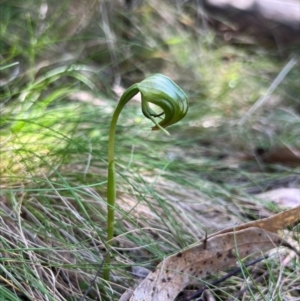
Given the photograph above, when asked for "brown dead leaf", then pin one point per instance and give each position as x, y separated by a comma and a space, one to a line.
220, 251
282, 155
273, 224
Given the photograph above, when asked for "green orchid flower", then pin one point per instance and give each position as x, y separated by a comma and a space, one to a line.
161, 91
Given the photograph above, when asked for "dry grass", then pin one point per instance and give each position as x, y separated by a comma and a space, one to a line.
171, 190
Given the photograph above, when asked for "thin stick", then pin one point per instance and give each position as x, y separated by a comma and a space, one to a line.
261, 101
242, 291
92, 283
228, 275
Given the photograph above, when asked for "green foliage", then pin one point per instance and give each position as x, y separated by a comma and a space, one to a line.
62, 65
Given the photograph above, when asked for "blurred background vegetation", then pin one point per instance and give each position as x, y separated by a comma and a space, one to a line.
64, 65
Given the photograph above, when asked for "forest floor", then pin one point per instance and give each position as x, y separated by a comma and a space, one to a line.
234, 158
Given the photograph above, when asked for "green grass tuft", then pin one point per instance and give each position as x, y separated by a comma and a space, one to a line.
60, 80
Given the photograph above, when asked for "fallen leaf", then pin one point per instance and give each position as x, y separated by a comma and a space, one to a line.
281, 155
273, 224
218, 252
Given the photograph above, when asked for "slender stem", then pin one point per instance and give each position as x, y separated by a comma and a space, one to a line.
111, 182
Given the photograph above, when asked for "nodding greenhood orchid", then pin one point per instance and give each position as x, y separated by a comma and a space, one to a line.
161, 91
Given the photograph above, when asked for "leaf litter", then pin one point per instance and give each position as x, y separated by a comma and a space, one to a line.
219, 251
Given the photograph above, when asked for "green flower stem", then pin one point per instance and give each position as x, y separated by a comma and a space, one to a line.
162, 92
111, 182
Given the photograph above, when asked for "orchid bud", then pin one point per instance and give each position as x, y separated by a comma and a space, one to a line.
161, 91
